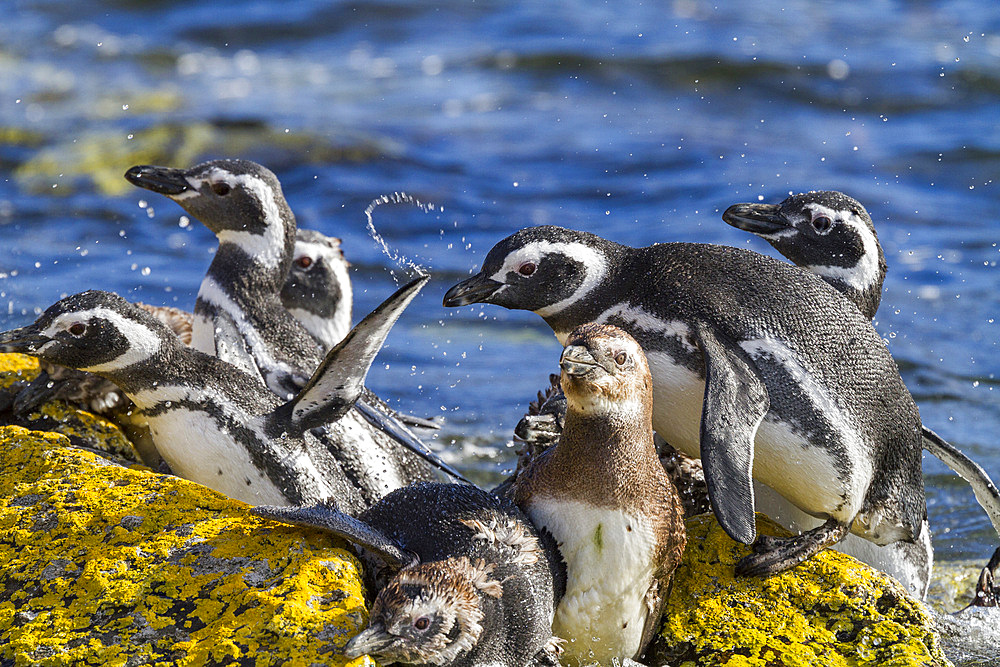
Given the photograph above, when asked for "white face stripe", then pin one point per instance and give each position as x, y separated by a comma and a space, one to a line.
593, 260
143, 342
266, 249
866, 272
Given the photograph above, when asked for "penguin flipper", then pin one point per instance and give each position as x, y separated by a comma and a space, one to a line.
326, 516
736, 401
340, 378
231, 346
984, 488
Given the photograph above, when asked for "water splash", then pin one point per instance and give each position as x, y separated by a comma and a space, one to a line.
395, 256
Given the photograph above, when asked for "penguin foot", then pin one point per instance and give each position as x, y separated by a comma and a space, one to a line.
772, 555
987, 592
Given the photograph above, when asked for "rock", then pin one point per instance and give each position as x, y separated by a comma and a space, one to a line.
832, 610
104, 564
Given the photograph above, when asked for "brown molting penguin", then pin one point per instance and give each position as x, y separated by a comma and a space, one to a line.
605, 497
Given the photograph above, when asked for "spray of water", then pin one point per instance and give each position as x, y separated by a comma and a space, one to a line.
395, 256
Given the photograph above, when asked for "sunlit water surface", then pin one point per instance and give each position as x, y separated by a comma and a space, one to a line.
637, 121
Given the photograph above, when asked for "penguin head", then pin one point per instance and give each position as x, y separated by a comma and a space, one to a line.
239, 200
428, 614
544, 269
605, 371
826, 232
318, 288
92, 331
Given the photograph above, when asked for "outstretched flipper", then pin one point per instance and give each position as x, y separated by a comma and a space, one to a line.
326, 516
984, 488
340, 379
772, 555
735, 403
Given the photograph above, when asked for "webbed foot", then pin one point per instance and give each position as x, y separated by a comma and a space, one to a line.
772, 555
987, 592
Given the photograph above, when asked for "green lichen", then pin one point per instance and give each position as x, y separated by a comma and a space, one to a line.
100, 159
82, 428
113, 566
831, 611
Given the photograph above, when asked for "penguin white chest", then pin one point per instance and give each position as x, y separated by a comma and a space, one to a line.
610, 557
196, 448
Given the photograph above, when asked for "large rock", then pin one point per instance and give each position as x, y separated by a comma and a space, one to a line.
108, 565
832, 610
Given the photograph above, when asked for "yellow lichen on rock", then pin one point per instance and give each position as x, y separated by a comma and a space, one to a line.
831, 610
17, 368
108, 565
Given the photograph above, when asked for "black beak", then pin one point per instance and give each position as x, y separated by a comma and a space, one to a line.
164, 180
373, 640
762, 219
476, 289
24, 340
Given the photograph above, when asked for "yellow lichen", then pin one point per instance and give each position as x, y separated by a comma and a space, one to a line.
831, 610
103, 564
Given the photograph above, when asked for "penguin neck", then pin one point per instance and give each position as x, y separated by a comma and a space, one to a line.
245, 277
590, 301
865, 286
606, 456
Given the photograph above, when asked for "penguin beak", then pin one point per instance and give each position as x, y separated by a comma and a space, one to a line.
761, 219
476, 289
373, 640
164, 180
577, 360
25, 340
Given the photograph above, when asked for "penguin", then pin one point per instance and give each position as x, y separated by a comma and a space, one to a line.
318, 290
827, 233
606, 499
459, 576
238, 316
213, 423
832, 235
541, 427
759, 368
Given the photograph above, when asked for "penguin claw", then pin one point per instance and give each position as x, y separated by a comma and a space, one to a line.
772, 555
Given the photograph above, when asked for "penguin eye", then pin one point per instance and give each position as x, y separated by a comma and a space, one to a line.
822, 224
221, 189
304, 262
77, 329
621, 358
526, 269
422, 623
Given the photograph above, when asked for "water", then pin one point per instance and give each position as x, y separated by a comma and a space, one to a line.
638, 121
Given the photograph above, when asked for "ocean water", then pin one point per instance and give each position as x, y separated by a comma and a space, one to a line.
638, 121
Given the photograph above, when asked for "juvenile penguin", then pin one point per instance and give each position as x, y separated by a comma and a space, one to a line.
238, 316
607, 501
462, 577
758, 367
214, 423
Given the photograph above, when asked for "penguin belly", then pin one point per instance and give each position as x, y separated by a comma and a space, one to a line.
805, 474
196, 448
609, 556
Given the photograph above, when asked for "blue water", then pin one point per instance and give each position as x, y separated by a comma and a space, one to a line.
638, 121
